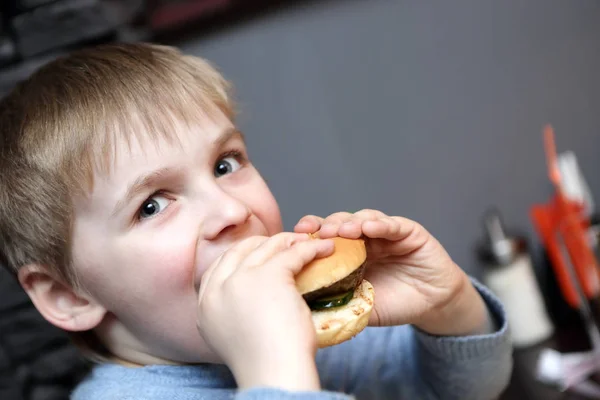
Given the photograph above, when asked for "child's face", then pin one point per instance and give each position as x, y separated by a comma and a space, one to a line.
155, 223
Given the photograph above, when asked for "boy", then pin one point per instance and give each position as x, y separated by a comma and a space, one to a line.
133, 218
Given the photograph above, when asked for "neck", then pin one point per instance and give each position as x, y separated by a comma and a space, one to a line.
123, 348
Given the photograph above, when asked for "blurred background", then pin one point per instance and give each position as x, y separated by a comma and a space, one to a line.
432, 110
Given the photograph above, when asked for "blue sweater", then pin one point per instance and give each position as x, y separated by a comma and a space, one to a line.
388, 363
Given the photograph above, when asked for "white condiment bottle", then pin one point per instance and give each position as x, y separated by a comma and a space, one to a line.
509, 275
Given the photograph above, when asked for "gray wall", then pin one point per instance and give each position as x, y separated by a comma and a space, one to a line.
427, 109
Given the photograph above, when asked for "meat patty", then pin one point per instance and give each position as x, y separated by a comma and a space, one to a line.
347, 284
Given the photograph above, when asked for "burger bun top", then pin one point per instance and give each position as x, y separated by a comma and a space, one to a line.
348, 255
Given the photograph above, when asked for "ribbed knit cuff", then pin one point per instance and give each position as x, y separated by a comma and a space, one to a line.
465, 348
278, 394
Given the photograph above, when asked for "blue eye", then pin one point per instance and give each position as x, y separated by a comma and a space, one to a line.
153, 206
227, 165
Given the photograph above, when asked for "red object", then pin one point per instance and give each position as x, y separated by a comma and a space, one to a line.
170, 13
563, 220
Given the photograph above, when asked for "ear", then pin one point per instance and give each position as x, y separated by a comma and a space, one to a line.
58, 303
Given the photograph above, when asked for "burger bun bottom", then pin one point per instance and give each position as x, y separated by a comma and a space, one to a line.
336, 325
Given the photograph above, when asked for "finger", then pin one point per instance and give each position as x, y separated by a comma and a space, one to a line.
369, 214
206, 280
403, 239
275, 244
296, 257
308, 224
331, 224
338, 217
228, 262
390, 228
352, 228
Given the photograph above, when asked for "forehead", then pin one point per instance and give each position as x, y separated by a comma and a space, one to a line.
146, 133
137, 149
179, 136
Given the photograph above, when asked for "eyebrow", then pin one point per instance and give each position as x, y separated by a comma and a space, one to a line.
139, 186
226, 136
152, 179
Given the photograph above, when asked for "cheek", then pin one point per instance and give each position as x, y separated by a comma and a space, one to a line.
147, 268
263, 204
161, 263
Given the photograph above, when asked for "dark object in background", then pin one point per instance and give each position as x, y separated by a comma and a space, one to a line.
56, 24
37, 31
7, 46
560, 312
7, 50
16, 7
37, 360
509, 273
165, 14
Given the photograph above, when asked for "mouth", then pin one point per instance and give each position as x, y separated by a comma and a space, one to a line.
202, 267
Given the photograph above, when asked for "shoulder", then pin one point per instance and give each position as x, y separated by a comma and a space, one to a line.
116, 382
107, 381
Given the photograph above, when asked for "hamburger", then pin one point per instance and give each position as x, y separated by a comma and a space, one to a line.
334, 289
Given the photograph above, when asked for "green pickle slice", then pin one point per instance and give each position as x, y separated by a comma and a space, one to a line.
337, 300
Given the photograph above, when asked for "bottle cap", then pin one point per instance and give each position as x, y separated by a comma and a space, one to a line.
499, 248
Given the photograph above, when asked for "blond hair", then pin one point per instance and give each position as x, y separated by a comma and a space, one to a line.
60, 126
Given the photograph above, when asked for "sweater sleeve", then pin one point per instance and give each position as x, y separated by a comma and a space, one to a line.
379, 364
277, 394
405, 363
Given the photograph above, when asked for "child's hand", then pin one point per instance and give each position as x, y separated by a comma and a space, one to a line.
414, 278
252, 316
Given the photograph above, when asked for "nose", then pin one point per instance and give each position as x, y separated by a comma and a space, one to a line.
226, 213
